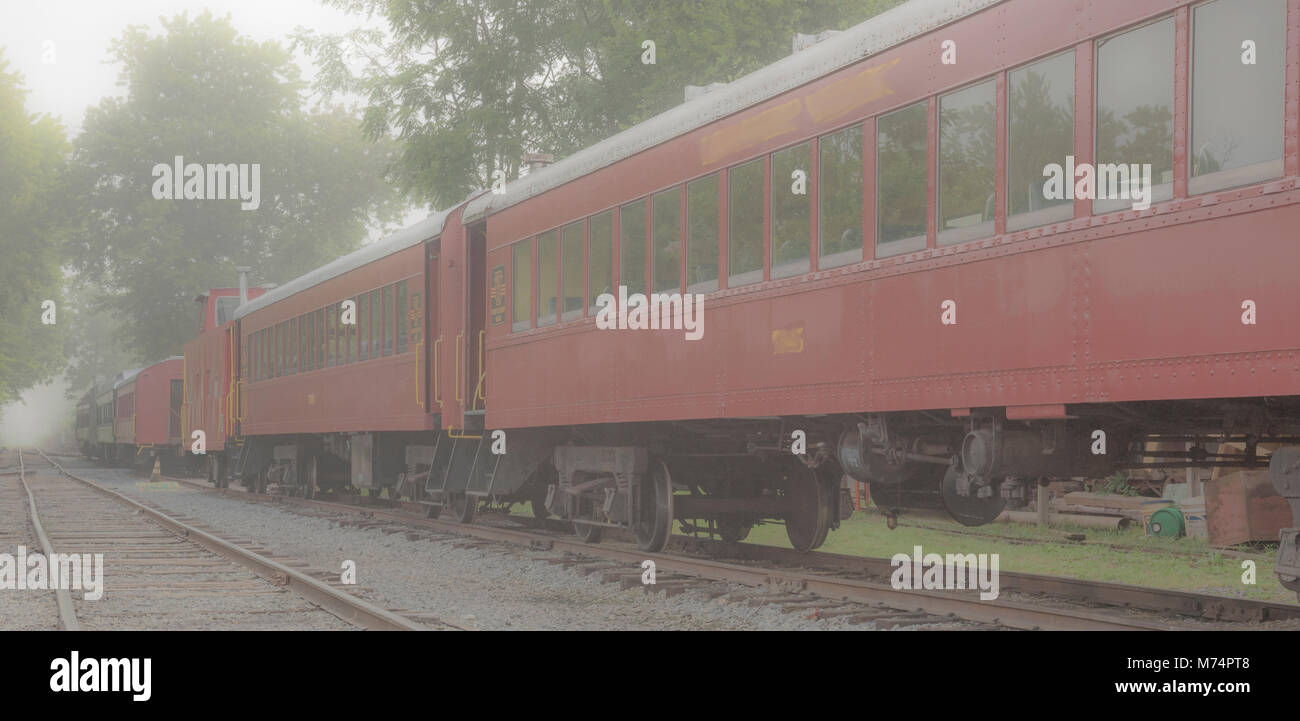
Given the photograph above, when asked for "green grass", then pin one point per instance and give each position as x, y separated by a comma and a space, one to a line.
1143, 561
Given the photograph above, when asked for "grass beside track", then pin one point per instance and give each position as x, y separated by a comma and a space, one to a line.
1184, 564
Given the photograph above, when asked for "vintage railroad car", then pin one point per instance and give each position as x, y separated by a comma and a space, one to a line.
886, 268
896, 286
332, 380
211, 386
147, 416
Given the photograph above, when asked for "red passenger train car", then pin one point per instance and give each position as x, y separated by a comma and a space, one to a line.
899, 269
886, 268
148, 410
333, 384
211, 387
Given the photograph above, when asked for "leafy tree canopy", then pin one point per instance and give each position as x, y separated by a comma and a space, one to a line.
201, 91
469, 86
32, 150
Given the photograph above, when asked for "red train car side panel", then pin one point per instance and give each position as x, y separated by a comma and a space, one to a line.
381, 393
157, 423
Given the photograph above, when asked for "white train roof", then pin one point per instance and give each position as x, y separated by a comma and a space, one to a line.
430, 227
890, 28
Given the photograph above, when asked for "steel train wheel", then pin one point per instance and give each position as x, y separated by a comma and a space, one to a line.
463, 507
587, 532
968, 510
655, 526
808, 521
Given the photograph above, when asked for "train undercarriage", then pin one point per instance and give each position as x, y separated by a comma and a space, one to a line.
721, 478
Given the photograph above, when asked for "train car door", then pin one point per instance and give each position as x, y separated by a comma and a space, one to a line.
476, 267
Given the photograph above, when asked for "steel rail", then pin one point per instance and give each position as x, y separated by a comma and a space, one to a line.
1206, 606
354, 610
67, 613
1006, 613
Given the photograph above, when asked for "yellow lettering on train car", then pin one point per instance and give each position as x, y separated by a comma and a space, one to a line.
731, 139
787, 340
855, 91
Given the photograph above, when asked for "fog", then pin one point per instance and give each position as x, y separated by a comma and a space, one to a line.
44, 417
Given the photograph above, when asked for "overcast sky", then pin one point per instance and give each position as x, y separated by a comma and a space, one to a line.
81, 31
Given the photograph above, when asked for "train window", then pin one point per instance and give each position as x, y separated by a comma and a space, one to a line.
571, 258
266, 353
350, 355
341, 338
666, 235
967, 163
631, 251
340, 335
600, 260
1237, 110
745, 224
282, 348
791, 210
309, 342
302, 344
1040, 122
363, 325
291, 362
376, 323
253, 359
521, 285
547, 271
901, 179
387, 319
839, 195
1135, 115
331, 328
226, 309
321, 340
403, 315
702, 235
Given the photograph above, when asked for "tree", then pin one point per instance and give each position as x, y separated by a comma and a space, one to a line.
468, 86
202, 92
32, 151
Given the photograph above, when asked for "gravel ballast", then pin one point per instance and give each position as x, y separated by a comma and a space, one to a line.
498, 587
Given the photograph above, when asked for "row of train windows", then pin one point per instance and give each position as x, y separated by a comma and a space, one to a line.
1236, 130
386, 322
104, 413
126, 405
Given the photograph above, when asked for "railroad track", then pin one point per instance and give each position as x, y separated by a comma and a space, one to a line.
801, 579
163, 571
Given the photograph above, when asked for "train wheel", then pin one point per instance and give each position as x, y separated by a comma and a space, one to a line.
808, 520
463, 507
968, 510
587, 532
656, 524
